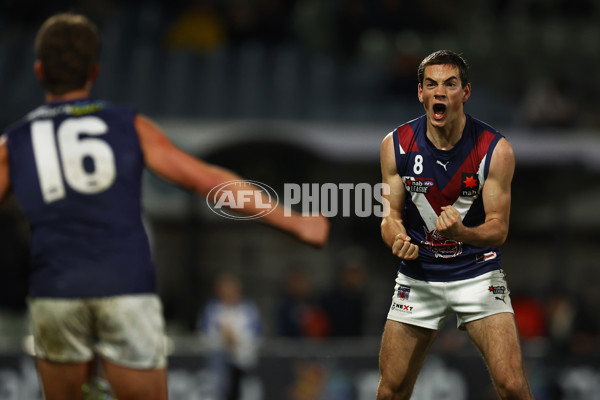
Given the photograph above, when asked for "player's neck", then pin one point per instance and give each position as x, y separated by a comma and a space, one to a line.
445, 137
69, 96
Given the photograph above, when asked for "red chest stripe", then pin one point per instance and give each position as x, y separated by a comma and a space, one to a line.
451, 191
406, 139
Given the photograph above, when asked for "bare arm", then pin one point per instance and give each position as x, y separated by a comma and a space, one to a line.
175, 165
4, 169
393, 231
496, 202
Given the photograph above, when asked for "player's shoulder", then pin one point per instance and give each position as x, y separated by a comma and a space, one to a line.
20, 123
504, 149
413, 127
478, 126
409, 128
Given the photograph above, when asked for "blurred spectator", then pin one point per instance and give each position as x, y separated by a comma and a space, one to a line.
198, 28
561, 318
232, 327
298, 313
546, 104
315, 380
530, 316
345, 303
572, 328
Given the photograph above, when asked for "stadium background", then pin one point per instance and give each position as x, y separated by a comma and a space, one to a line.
304, 91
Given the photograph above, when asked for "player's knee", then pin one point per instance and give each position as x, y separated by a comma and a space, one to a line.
513, 387
398, 390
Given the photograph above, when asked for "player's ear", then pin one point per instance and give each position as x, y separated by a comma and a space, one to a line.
420, 93
467, 92
94, 73
38, 70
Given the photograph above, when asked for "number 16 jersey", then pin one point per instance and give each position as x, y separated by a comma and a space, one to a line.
434, 178
75, 168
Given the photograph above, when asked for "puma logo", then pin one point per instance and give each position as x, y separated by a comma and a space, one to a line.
442, 164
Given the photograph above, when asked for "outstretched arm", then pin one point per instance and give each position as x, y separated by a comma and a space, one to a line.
496, 202
393, 231
175, 165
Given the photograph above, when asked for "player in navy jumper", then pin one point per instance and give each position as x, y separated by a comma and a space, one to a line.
75, 166
449, 177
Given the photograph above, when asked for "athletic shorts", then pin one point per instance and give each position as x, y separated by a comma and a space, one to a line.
427, 304
125, 330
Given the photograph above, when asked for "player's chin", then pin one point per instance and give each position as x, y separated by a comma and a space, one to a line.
437, 121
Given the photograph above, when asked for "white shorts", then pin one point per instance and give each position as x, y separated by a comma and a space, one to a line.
126, 330
427, 304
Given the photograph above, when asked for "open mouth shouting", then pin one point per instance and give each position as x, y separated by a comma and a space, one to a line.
439, 110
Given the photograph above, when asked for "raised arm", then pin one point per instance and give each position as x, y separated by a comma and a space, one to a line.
175, 165
392, 227
496, 202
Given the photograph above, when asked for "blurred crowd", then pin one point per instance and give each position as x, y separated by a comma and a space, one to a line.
553, 43
557, 320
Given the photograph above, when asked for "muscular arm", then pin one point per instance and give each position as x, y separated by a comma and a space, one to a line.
175, 165
393, 231
4, 169
496, 202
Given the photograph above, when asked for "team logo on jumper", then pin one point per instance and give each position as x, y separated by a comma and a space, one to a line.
469, 184
401, 307
419, 185
497, 289
403, 292
441, 246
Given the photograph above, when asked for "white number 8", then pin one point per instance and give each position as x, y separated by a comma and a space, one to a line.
418, 168
73, 150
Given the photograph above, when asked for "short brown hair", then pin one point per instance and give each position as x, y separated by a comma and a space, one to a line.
445, 57
67, 46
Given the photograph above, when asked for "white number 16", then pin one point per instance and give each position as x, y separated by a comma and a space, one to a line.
70, 154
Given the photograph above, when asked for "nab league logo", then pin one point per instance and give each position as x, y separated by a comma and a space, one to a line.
419, 185
226, 198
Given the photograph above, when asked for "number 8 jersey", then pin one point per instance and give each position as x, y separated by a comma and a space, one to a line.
75, 168
434, 178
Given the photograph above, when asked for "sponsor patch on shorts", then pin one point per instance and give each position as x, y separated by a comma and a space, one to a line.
497, 289
401, 307
403, 292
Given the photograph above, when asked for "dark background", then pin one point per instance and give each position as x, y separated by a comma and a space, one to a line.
304, 91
